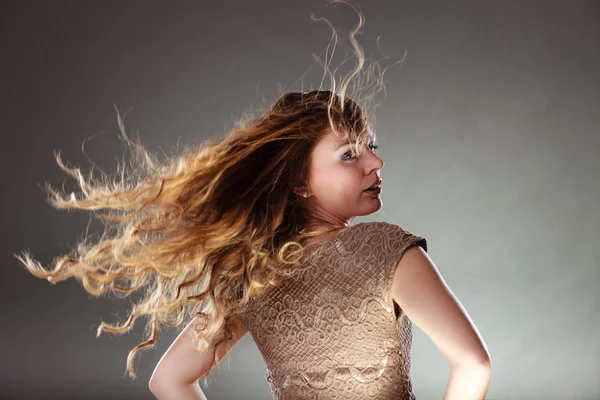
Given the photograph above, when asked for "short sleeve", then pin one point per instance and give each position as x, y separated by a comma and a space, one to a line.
395, 240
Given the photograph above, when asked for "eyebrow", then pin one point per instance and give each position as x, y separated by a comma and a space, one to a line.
345, 141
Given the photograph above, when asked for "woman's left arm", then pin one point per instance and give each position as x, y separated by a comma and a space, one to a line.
182, 365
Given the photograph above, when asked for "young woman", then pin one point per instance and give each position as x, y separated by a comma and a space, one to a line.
253, 233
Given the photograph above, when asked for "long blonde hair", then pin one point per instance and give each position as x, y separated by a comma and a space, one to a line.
201, 233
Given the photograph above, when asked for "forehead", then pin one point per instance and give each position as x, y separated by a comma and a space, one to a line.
338, 140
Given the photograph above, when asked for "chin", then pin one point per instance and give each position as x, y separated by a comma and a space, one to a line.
376, 205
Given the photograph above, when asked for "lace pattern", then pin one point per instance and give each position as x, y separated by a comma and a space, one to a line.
331, 330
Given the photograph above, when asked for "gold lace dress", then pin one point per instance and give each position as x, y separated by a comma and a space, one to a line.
332, 329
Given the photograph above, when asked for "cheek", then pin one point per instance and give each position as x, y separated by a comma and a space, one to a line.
344, 181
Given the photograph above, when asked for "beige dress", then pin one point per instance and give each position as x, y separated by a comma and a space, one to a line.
332, 329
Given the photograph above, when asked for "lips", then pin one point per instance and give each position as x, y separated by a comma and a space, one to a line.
377, 190
374, 185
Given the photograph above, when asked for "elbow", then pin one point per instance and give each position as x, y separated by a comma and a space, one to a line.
482, 363
484, 366
480, 371
153, 385
485, 361
156, 383
482, 360
161, 383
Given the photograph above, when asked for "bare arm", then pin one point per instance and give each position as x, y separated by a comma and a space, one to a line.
422, 293
177, 372
191, 391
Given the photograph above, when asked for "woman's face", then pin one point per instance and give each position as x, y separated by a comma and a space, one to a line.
338, 179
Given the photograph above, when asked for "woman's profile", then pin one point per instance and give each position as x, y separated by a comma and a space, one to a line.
253, 233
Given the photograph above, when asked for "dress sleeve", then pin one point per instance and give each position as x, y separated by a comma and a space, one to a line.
395, 240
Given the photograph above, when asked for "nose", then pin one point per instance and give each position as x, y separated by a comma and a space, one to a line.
378, 161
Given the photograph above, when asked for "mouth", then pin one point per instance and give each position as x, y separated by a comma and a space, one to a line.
373, 191
375, 187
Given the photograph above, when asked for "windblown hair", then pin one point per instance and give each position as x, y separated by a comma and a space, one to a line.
201, 233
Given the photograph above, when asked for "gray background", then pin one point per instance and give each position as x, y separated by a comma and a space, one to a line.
489, 132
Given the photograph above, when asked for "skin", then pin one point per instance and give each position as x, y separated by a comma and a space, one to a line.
337, 182
336, 193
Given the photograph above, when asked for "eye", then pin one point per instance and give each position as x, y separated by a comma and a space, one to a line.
348, 156
372, 146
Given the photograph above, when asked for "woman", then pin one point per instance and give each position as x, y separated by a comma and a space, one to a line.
253, 233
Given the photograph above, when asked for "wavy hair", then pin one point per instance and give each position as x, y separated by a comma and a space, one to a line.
202, 233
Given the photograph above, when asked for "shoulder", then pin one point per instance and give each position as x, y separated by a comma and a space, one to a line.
379, 226
393, 236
